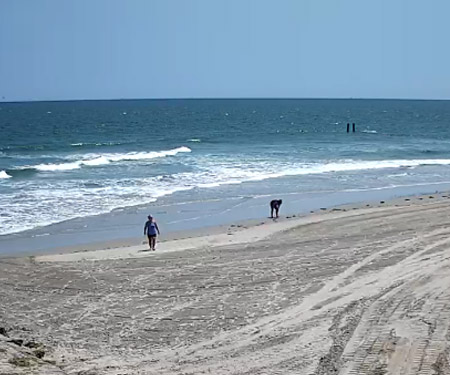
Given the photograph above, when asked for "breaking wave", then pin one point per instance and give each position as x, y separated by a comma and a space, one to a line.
103, 159
90, 144
4, 175
67, 199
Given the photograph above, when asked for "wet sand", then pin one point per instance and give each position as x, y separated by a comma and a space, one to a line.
358, 289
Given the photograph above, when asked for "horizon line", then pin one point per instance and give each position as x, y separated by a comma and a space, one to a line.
217, 98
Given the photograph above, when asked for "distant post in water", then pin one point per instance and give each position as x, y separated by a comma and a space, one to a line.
353, 127
348, 127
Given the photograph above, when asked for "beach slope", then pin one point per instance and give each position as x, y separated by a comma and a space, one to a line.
354, 291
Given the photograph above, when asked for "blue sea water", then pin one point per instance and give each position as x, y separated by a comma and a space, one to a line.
66, 160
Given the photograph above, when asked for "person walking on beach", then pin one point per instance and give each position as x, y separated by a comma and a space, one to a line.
275, 206
151, 230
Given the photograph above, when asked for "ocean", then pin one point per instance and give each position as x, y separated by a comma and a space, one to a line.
63, 161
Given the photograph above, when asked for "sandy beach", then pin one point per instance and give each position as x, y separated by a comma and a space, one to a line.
358, 289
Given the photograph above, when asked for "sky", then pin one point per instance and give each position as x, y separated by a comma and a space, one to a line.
110, 49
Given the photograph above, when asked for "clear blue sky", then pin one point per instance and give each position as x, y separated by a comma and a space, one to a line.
89, 49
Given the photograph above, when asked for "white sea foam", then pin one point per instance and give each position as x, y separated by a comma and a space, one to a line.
398, 175
146, 155
55, 167
103, 159
4, 175
239, 174
67, 199
79, 144
63, 201
219, 175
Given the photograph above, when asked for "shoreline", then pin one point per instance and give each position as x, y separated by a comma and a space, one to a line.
119, 228
241, 233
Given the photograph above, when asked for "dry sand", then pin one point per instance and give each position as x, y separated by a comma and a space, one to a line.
359, 290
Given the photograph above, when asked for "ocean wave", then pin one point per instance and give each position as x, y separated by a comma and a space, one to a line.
352, 165
369, 131
239, 174
54, 202
216, 176
397, 175
4, 175
90, 144
97, 160
221, 175
147, 155
26, 148
196, 140
54, 167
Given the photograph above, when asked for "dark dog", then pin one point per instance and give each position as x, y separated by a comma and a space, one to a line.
275, 205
